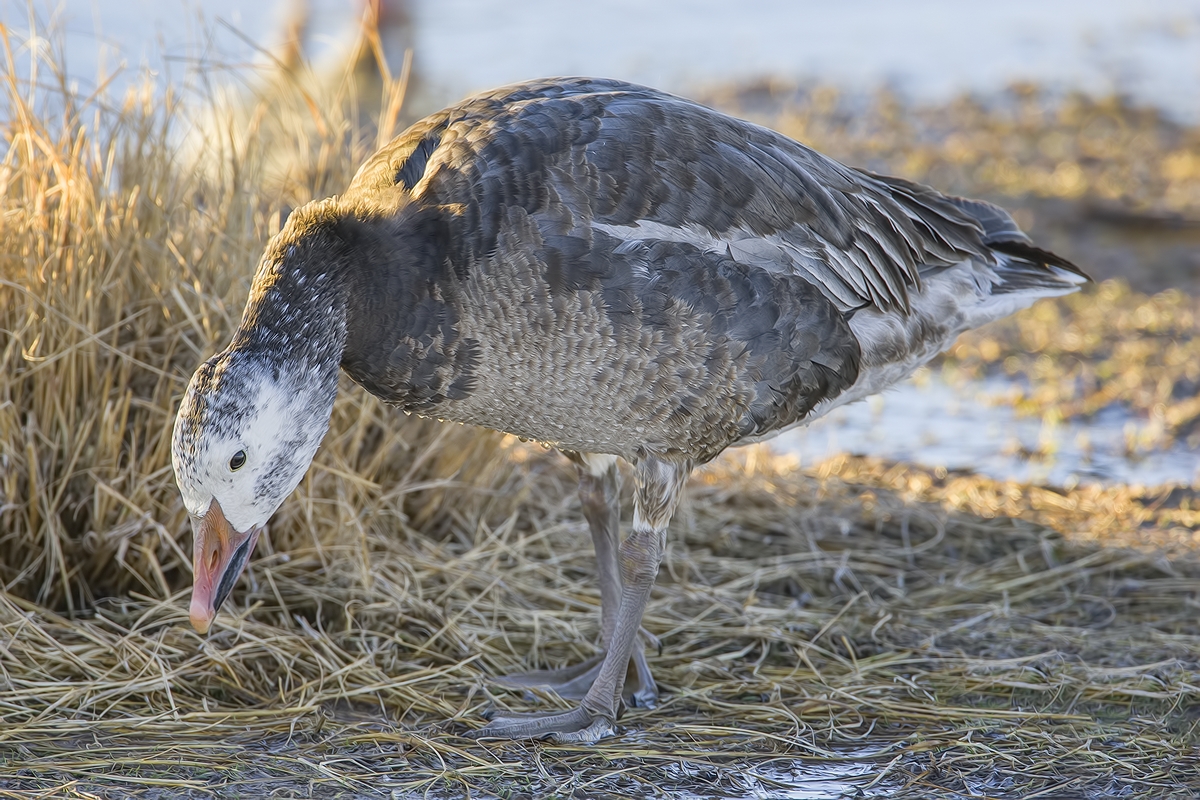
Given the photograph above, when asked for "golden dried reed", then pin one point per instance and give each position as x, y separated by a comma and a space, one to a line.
128, 251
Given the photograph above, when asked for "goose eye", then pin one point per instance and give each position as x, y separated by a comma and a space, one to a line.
238, 460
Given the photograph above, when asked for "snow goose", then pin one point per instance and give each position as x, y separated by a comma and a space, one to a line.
606, 268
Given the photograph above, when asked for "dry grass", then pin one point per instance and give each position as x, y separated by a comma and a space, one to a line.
127, 258
958, 636
801, 618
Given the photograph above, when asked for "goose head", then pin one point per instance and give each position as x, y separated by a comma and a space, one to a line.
247, 430
254, 415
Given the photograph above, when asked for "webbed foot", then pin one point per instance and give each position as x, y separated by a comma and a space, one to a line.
573, 682
577, 726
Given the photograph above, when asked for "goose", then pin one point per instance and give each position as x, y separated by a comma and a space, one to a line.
614, 271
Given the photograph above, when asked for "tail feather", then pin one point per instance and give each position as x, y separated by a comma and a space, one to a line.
1037, 256
998, 225
1028, 268
1023, 268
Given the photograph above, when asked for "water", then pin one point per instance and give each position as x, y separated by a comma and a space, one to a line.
861, 774
811, 780
804, 780
927, 49
969, 426
930, 49
780, 779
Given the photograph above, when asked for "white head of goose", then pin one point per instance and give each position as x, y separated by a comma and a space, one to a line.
605, 268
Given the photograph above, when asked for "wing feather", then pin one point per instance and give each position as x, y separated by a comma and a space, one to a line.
640, 163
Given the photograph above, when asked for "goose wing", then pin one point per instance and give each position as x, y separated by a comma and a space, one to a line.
584, 155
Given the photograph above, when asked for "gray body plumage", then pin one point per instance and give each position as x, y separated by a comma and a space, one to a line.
608, 269
615, 270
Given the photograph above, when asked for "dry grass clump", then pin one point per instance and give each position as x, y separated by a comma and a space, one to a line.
124, 265
938, 635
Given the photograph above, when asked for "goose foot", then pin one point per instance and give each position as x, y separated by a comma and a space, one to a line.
577, 726
573, 682
636, 563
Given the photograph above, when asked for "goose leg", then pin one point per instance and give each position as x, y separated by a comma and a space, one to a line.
599, 494
659, 484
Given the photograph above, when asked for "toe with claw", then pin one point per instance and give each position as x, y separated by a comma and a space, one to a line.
577, 726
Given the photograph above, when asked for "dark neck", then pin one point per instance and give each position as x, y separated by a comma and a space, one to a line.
403, 340
373, 293
296, 315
